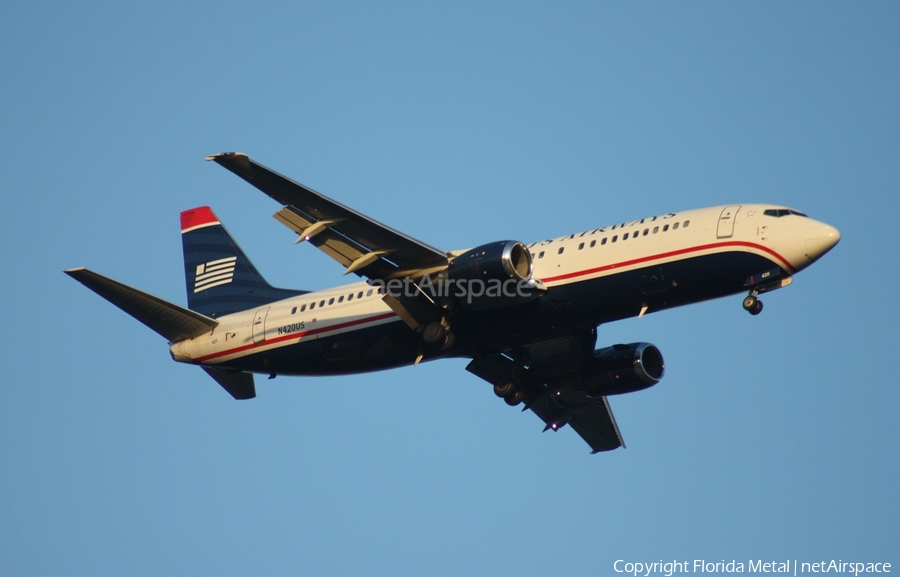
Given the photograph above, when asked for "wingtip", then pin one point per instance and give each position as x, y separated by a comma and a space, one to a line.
224, 154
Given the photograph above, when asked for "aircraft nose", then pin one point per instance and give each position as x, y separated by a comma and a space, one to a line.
820, 238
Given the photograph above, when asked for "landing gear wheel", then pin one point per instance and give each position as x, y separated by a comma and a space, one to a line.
434, 333
515, 398
504, 388
449, 341
752, 305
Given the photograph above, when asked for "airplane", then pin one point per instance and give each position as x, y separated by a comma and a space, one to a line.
525, 316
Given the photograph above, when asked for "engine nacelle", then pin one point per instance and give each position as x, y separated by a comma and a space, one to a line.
622, 369
493, 275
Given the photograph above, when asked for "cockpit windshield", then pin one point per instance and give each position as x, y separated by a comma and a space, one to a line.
779, 212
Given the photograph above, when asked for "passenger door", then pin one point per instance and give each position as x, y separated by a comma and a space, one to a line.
726, 222
259, 325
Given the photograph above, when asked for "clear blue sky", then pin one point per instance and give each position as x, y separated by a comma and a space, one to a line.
771, 437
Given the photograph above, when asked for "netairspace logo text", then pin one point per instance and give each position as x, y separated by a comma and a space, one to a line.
786, 567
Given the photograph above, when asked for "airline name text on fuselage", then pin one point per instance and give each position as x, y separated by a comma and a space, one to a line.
604, 229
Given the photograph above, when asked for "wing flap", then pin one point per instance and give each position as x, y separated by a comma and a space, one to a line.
591, 418
556, 403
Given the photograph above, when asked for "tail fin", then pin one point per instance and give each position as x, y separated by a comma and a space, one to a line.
220, 278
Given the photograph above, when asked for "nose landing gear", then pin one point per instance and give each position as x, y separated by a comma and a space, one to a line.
752, 304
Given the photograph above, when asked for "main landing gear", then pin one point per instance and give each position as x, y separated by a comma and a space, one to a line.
508, 390
752, 304
438, 335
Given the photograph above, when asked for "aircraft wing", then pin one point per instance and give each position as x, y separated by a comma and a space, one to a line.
591, 418
554, 400
361, 244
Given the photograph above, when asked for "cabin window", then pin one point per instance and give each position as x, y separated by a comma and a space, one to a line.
686, 223
646, 231
593, 243
312, 306
341, 299
303, 308
331, 301
625, 236
665, 228
615, 237
368, 294
350, 297
675, 226
655, 229
359, 296
603, 241
580, 246
321, 303
561, 249
541, 254
294, 311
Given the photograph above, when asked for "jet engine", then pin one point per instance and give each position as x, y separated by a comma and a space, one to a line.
622, 369
493, 275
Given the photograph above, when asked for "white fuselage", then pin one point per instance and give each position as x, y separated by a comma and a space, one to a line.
790, 241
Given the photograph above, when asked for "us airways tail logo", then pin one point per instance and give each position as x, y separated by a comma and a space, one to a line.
214, 273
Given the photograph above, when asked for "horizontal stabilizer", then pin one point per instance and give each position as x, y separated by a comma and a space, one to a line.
169, 320
239, 385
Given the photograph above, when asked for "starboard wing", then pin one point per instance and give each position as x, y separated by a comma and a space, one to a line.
554, 400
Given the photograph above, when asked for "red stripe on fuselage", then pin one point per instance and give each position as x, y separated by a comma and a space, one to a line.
670, 254
566, 276
298, 335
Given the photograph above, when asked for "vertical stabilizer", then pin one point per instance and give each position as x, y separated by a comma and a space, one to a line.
220, 278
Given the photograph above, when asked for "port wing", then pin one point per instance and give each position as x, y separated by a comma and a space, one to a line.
361, 244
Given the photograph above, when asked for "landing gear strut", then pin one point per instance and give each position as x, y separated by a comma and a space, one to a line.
752, 304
